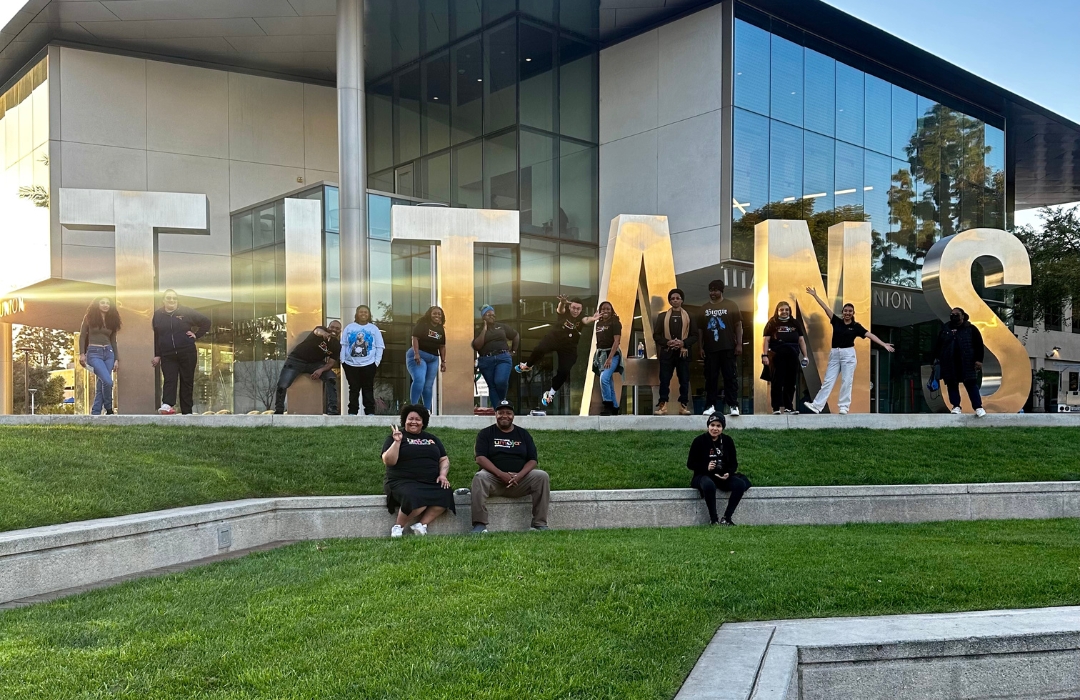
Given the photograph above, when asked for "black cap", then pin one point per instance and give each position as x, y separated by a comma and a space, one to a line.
717, 418
505, 404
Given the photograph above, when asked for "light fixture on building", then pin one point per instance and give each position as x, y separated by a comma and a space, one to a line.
850, 190
1054, 354
536, 328
814, 196
527, 60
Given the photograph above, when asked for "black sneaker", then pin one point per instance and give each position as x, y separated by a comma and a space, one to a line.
726, 521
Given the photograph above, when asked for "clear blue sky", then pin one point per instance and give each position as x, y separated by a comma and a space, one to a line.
1030, 47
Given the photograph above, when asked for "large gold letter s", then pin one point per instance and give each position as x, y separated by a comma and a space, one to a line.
946, 278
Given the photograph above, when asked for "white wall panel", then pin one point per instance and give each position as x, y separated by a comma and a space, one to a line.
187, 110
103, 99
203, 276
251, 183
266, 120
628, 87
320, 128
688, 172
689, 66
87, 166
170, 172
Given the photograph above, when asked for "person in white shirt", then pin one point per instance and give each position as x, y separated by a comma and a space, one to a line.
361, 352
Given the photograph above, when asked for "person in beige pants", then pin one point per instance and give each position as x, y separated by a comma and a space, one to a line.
506, 455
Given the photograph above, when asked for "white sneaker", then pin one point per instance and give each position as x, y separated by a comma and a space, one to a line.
956, 411
843, 411
418, 528
813, 407
980, 412
734, 411
166, 410
709, 411
396, 531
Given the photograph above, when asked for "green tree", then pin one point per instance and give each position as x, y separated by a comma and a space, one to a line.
1054, 251
50, 389
45, 347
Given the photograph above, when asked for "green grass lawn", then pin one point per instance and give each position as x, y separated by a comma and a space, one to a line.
60, 474
586, 614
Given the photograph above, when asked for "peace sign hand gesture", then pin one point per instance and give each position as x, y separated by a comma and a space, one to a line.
396, 434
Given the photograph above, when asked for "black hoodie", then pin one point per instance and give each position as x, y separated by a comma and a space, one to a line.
171, 330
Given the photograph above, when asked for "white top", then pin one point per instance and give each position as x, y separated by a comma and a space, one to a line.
361, 345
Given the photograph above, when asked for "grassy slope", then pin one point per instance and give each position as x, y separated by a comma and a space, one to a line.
591, 615
60, 474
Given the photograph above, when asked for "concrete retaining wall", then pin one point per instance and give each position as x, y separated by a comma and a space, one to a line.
995, 654
41, 560
880, 421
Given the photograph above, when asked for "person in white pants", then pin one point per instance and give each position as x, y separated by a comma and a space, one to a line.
842, 356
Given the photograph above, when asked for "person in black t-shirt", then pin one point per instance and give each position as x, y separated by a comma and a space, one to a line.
720, 332
845, 330
715, 465
674, 332
608, 358
316, 355
495, 345
416, 482
784, 343
563, 341
426, 357
507, 458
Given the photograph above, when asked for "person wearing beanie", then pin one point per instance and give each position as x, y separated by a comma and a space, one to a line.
715, 465
495, 346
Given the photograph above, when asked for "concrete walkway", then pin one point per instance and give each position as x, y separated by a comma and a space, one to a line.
881, 421
40, 561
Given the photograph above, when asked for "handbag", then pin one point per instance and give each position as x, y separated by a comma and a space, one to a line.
934, 382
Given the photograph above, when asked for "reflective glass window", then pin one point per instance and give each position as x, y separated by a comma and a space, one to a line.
265, 226
580, 16
406, 30
750, 181
379, 217
878, 115
468, 183
578, 266
537, 176
818, 172
875, 194
435, 178
578, 192
377, 45
500, 171
436, 24
467, 16
380, 125
820, 85
404, 182
751, 67
785, 163
380, 284
493, 280
468, 98
407, 109
905, 116
849, 104
536, 68
436, 131
787, 81
500, 79
543, 9
331, 210
578, 100
494, 9
538, 276
382, 181
332, 274
849, 177
242, 232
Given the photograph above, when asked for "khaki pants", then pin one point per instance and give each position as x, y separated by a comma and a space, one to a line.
536, 484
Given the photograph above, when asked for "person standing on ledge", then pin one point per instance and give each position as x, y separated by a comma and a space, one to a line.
507, 458
608, 358
784, 343
426, 356
361, 354
97, 350
316, 355
720, 332
176, 328
674, 332
495, 345
715, 465
563, 340
842, 355
960, 351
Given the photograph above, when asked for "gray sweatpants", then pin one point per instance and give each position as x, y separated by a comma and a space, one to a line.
536, 484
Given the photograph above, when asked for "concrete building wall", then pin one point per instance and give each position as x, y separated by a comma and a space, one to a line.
660, 133
1056, 351
136, 124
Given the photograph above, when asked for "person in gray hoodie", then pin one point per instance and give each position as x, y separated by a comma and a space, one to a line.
361, 353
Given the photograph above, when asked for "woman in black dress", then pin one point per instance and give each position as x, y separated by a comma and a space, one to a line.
784, 344
416, 467
714, 463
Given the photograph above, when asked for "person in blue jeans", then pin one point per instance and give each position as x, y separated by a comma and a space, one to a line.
608, 358
427, 356
97, 350
495, 344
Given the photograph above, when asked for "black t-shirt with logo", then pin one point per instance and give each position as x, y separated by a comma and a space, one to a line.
785, 332
316, 349
717, 322
418, 457
606, 332
497, 339
429, 336
507, 451
844, 335
568, 329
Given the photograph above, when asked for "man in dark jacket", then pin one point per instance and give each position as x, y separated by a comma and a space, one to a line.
176, 328
316, 356
960, 351
674, 332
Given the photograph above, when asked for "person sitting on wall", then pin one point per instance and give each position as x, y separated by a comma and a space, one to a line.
715, 465
507, 458
176, 328
960, 351
316, 355
563, 340
416, 482
674, 333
